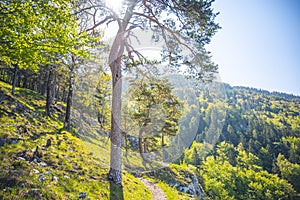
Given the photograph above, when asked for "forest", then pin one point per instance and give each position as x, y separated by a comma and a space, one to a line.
84, 116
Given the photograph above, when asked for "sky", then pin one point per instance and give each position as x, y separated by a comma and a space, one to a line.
259, 44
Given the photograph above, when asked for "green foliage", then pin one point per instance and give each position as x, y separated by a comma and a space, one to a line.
289, 171
246, 180
263, 123
294, 148
103, 94
154, 109
36, 32
196, 153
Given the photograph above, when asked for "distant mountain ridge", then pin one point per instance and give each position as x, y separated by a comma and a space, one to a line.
283, 95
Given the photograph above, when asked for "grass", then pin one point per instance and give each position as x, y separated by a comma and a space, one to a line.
71, 168
79, 160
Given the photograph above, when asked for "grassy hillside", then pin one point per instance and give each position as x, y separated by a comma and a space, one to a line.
39, 160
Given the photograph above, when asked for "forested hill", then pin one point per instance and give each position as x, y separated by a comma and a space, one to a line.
276, 95
272, 121
256, 118
246, 138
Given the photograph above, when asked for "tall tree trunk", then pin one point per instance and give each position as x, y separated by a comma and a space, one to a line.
49, 84
15, 77
54, 87
163, 147
115, 172
115, 58
25, 79
44, 85
69, 100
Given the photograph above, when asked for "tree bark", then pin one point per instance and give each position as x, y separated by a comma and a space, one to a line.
69, 100
115, 58
15, 77
54, 87
115, 173
25, 79
49, 84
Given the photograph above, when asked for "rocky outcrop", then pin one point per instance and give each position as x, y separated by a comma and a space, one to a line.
192, 188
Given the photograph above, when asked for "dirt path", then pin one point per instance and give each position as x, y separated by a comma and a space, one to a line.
156, 191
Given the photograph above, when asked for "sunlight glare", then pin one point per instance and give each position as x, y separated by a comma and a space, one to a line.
116, 5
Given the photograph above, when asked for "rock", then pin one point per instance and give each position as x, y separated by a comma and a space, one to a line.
41, 178
26, 154
47, 172
13, 140
82, 195
21, 158
183, 189
133, 141
195, 186
192, 188
43, 164
36, 171
174, 183
2, 141
54, 178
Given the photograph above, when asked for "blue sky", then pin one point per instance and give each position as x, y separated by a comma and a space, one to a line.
259, 44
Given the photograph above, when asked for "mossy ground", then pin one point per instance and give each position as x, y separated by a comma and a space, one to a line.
71, 167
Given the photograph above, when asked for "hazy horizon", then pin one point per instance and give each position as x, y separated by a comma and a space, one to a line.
258, 45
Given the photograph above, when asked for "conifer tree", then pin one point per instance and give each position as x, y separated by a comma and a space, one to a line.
178, 24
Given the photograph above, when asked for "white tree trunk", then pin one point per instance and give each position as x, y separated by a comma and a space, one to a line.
115, 173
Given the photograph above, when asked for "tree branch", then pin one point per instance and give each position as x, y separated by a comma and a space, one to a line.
99, 23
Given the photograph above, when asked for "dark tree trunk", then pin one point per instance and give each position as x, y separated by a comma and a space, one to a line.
163, 147
19, 78
25, 80
69, 100
49, 87
15, 77
63, 96
43, 79
54, 88
44, 87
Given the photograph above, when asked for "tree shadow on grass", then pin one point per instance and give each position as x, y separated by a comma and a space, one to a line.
116, 191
